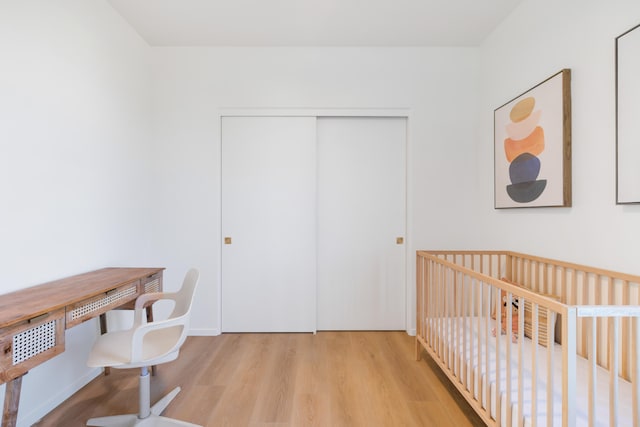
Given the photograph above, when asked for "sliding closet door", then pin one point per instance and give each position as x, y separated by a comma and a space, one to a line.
361, 223
269, 224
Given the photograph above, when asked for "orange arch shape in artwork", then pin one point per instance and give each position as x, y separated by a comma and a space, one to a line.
533, 144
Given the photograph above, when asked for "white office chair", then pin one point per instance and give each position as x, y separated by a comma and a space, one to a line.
143, 345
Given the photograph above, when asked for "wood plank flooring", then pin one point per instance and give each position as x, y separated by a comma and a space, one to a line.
331, 379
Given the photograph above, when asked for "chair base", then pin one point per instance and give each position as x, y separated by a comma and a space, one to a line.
133, 420
153, 420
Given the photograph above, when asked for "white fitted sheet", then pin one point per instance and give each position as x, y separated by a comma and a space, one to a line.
469, 341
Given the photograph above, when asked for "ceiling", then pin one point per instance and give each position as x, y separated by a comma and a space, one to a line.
314, 22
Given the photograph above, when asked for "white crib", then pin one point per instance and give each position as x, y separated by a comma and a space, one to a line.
571, 355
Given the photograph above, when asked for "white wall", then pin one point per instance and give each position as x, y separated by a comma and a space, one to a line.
192, 85
74, 162
87, 181
539, 39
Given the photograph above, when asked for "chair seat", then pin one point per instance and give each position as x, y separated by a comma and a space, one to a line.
114, 349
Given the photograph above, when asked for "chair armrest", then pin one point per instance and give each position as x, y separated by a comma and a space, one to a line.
145, 300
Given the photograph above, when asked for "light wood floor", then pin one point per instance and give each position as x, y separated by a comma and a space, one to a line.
328, 379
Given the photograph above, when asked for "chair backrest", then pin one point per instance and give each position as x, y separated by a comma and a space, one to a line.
184, 296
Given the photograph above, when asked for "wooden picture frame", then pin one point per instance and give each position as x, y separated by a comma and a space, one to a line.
628, 117
532, 146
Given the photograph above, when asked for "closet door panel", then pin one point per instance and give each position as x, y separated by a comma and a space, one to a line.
361, 216
268, 224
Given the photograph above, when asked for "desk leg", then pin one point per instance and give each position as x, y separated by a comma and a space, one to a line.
11, 402
103, 330
149, 310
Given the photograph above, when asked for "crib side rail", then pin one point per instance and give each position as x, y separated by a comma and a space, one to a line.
579, 285
573, 284
455, 301
458, 323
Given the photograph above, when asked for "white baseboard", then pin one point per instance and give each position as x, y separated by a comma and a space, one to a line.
205, 332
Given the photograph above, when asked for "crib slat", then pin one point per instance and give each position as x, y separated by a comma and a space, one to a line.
487, 395
625, 334
431, 303
509, 328
478, 375
613, 370
574, 282
463, 331
611, 297
520, 361
469, 337
507, 266
439, 311
442, 337
427, 289
635, 370
419, 307
452, 319
602, 323
438, 307
569, 367
460, 329
435, 303
435, 307
550, 348
448, 338
498, 332
534, 365
592, 357
553, 288
457, 340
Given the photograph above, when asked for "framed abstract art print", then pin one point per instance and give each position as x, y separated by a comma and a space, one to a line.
532, 146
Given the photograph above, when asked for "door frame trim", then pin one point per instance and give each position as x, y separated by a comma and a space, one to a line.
406, 113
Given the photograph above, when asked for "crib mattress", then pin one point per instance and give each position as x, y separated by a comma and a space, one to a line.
465, 355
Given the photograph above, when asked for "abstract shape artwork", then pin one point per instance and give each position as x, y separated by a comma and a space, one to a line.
525, 166
532, 137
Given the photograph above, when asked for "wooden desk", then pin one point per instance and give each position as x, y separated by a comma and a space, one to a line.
33, 320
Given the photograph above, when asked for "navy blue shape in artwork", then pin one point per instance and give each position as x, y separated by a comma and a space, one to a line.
524, 168
525, 192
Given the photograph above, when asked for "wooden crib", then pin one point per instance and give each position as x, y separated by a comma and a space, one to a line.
531, 341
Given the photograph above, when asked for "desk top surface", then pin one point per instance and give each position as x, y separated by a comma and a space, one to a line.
33, 301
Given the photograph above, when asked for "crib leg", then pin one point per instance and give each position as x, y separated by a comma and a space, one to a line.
418, 351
